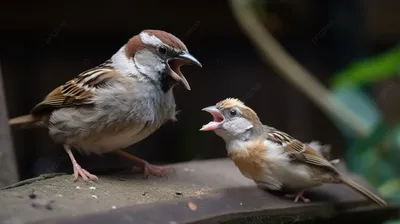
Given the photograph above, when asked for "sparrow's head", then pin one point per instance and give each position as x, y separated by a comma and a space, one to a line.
232, 119
159, 56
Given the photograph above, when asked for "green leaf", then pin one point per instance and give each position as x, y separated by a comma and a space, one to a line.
362, 157
393, 222
360, 104
369, 70
375, 164
392, 153
390, 189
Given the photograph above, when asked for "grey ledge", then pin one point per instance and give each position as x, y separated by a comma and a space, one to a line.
210, 191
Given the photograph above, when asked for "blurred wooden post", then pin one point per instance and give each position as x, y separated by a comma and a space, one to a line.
8, 167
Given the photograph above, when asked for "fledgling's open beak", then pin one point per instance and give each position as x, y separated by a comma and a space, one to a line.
218, 119
175, 63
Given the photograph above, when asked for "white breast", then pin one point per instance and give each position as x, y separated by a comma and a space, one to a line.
121, 117
275, 151
290, 174
99, 144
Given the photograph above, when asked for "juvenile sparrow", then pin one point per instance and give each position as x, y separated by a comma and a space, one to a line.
273, 159
118, 103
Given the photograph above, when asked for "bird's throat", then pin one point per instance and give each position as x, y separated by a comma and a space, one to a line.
167, 82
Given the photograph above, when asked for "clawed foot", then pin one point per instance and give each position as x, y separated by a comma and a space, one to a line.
298, 196
148, 168
79, 171
145, 167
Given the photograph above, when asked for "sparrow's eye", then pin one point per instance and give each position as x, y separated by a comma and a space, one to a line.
162, 50
232, 112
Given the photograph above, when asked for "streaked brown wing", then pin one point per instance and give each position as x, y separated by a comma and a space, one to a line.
76, 92
298, 150
305, 153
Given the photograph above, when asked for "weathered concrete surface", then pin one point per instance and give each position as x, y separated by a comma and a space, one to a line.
216, 188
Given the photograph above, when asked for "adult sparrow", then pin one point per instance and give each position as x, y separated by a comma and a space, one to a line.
273, 159
118, 103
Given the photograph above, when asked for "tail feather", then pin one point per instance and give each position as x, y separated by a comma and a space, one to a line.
25, 120
367, 193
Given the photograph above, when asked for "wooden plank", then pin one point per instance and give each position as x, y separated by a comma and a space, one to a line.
207, 191
232, 206
8, 167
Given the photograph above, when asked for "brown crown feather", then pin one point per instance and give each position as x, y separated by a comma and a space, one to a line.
135, 44
247, 112
168, 39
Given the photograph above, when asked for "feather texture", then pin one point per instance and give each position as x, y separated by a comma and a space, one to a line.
316, 165
298, 150
281, 162
118, 103
78, 91
24, 121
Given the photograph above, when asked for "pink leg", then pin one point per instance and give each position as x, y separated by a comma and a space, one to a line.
298, 196
78, 170
146, 167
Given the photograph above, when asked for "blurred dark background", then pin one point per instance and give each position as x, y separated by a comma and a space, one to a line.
44, 44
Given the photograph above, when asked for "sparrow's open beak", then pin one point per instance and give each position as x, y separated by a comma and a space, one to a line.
218, 119
175, 63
